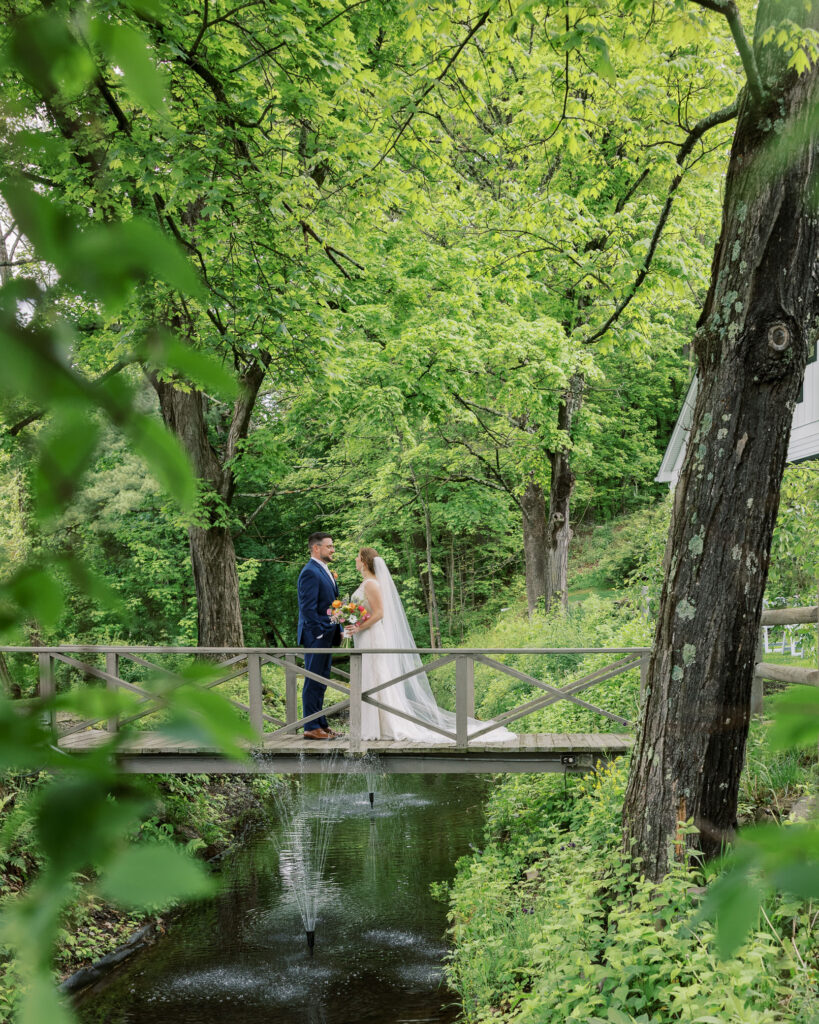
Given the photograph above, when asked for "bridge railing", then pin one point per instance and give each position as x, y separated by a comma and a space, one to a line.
107, 664
803, 675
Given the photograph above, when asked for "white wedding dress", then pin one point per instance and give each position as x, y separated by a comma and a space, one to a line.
412, 696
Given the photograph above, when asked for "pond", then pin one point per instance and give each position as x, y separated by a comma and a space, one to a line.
242, 956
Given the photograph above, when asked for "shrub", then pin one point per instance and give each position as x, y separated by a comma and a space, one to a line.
551, 924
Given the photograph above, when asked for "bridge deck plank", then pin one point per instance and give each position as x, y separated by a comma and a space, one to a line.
531, 743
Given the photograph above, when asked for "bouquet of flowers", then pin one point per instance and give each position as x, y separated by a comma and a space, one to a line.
347, 614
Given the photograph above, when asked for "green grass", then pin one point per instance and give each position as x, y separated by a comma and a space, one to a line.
577, 594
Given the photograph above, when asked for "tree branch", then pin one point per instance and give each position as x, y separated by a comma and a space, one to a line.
33, 417
417, 103
718, 117
730, 12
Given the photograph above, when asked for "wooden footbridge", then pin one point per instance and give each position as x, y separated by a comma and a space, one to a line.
142, 742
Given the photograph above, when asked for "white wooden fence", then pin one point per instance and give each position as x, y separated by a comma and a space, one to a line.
782, 673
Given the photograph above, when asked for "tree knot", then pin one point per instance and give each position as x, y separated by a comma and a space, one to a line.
779, 336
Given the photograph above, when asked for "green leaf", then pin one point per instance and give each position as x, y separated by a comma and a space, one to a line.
76, 820
48, 55
154, 875
617, 1016
41, 1002
734, 900
107, 261
104, 261
799, 879
38, 593
796, 719
42, 220
165, 457
207, 715
66, 452
203, 370
603, 65
126, 48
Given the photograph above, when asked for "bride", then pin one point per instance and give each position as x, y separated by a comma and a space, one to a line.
388, 627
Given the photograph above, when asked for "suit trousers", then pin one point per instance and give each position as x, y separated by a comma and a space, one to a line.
312, 694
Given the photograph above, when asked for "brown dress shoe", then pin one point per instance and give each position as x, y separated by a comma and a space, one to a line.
317, 734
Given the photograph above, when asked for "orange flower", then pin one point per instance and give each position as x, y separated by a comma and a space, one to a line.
336, 604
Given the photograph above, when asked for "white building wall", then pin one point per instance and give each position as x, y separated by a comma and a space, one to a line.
804, 441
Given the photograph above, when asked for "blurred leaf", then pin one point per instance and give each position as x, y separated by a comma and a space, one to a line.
800, 879
194, 364
209, 716
96, 702
42, 220
165, 456
41, 1003
107, 261
93, 585
104, 261
152, 8
76, 821
45, 52
733, 900
153, 875
796, 720
24, 740
38, 592
126, 48
66, 451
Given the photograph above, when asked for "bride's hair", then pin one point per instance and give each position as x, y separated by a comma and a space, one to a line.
368, 557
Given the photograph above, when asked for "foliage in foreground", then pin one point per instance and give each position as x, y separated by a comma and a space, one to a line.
200, 814
551, 924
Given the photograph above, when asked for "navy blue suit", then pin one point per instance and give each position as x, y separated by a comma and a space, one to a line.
316, 591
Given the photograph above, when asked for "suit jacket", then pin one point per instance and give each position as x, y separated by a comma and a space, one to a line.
316, 591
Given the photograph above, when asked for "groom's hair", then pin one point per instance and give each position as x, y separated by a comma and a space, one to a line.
316, 538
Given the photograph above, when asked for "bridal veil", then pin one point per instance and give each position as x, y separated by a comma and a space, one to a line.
418, 693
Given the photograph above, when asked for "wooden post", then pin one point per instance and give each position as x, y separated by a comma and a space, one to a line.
644, 663
47, 688
756, 683
464, 696
254, 688
112, 669
355, 702
291, 678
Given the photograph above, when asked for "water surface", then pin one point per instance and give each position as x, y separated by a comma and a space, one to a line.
242, 958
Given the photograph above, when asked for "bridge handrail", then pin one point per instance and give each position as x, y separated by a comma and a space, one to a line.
240, 661
125, 649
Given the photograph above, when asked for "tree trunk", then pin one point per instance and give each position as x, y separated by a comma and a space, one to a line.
533, 507
434, 621
559, 532
219, 611
451, 581
751, 347
432, 600
213, 558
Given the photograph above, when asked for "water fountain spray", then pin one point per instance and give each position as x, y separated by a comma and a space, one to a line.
302, 840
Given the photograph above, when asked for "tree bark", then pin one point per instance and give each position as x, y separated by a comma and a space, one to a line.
213, 558
559, 532
533, 507
434, 619
751, 347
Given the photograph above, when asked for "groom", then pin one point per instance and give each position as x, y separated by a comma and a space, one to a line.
317, 590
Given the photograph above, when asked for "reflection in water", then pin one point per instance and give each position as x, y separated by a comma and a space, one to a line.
242, 958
